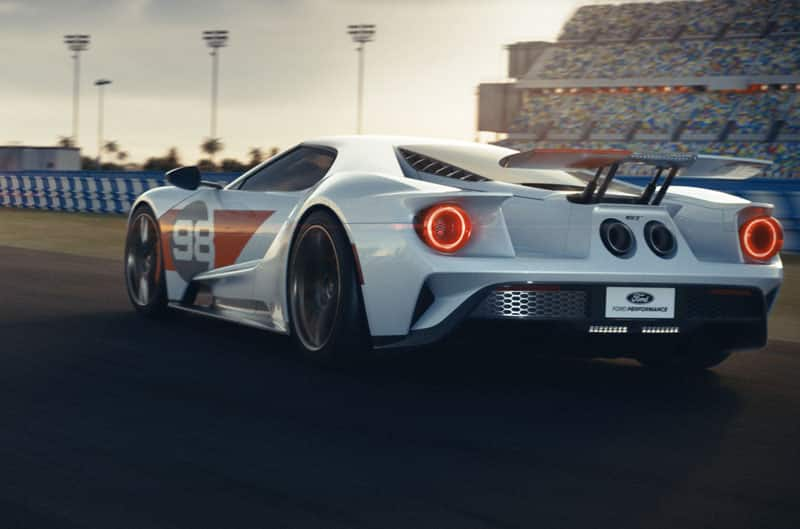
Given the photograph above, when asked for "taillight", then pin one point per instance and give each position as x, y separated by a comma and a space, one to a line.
761, 238
445, 227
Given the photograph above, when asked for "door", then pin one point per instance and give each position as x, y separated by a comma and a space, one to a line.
224, 233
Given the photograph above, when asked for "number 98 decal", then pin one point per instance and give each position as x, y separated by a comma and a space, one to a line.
192, 241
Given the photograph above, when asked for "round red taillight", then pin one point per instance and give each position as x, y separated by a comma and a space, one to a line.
445, 227
761, 238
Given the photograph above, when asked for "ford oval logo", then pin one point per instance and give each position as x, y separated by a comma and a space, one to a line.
640, 298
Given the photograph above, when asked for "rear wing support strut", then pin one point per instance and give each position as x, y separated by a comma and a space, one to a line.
588, 191
690, 164
647, 194
673, 162
612, 172
663, 189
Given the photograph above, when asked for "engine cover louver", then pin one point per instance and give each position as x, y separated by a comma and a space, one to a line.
436, 167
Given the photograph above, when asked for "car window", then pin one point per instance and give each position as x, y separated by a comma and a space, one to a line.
298, 169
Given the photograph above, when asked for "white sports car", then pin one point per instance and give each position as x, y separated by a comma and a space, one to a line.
356, 244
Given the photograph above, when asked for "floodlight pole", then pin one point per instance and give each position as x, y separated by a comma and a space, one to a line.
360, 88
76, 44
100, 83
76, 86
361, 34
215, 39
214, 90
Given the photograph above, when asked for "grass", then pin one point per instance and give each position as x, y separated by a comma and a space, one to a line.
91, 234
103, 235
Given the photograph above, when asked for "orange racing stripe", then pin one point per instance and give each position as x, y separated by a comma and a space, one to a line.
232, 231
166, 222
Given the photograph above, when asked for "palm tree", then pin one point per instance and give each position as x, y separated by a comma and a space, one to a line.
111, 147
172, 157
212, 146
256, 156
122, 156
65, 141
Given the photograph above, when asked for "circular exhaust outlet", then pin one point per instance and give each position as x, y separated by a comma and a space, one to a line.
617, 237
659, 239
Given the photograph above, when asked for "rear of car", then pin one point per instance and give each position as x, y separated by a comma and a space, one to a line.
520, 250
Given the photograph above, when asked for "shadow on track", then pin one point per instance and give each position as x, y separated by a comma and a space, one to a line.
117, 420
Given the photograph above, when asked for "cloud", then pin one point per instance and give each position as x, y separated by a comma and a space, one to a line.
288, 73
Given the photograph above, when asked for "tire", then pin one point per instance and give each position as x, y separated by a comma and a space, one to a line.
144, 264
684, 360
326, 312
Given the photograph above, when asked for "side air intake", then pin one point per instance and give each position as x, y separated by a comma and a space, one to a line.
426, 164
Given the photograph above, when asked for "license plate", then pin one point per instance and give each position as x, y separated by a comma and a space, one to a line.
640, 302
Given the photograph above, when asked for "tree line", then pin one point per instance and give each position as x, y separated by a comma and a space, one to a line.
116, 159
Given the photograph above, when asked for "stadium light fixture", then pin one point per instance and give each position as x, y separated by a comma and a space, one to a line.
76, 44
361, 34
215, 39
100, 84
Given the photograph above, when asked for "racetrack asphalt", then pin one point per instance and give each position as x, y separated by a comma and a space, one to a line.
108, 420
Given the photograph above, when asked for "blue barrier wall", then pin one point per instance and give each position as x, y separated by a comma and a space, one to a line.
90, 191
114, 192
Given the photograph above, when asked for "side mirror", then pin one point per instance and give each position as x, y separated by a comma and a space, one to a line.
184, 177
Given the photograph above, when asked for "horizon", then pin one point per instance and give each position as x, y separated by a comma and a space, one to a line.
160, 69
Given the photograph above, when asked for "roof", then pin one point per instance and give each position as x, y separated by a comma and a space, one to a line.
388, 141
477, 158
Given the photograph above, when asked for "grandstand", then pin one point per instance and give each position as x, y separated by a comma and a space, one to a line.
718, 76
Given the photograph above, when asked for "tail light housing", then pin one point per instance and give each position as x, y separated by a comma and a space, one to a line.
761, 238
445, 227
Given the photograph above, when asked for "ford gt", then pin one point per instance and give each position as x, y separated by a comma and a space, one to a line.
354, 245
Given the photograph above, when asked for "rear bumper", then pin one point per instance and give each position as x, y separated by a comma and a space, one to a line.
573, 316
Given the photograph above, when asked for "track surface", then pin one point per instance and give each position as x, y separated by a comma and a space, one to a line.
108, 420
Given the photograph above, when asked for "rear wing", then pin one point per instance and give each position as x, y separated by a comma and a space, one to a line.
610, 160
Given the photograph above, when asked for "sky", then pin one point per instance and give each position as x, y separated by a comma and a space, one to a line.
289, 72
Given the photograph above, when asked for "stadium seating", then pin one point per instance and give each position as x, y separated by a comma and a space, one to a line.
699, 118
658, 116
791, 127
706, 19
787, 18
688, 20
617, 114
727, 75
709, 114
754, 115
684, 58
704, 114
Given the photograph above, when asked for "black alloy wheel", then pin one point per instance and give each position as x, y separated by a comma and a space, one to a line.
144, 269
326, 311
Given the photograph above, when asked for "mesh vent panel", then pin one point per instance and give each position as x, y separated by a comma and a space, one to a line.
532, 304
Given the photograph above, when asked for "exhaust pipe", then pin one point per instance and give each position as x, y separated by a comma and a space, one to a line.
659, 239
617, 237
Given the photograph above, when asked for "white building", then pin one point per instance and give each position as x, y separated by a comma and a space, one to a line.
26, 158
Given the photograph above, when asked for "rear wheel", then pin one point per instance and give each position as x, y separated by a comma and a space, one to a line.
326, 311
692, 359
144, 264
